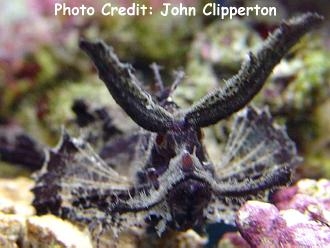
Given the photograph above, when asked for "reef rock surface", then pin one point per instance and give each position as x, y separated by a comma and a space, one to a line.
299, 218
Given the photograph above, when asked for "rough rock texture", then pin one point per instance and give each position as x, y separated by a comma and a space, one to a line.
301, 217
15, 196
48, 231
263, 225
309, 197
11, 230
20, 228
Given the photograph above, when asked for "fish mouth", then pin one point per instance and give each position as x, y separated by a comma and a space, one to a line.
187, 200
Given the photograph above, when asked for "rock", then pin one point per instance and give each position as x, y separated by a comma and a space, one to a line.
263, 225
309, 197
15, 196
187, 239
300, 217
173, 239
233, 240
48, 230
12, 231
19, 227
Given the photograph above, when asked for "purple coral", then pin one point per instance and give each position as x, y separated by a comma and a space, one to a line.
301, 219
309, 197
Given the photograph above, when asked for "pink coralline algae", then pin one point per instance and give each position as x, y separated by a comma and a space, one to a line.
299, 218
26, 25
22, 29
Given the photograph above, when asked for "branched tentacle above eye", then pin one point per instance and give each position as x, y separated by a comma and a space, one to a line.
241, 88
124, 88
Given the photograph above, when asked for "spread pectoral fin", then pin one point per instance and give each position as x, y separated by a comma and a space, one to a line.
75, 181
258, 157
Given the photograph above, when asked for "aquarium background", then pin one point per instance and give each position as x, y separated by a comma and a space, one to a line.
43, 71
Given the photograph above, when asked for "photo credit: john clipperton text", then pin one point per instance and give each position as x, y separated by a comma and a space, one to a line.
167, 9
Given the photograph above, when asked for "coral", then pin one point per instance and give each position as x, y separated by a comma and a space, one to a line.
263, 225
23, 29
310, 197
299, 218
